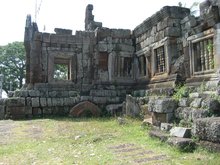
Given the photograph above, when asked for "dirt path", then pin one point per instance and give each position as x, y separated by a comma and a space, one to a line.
136, 155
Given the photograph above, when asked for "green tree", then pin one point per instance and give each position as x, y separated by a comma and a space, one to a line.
12, 65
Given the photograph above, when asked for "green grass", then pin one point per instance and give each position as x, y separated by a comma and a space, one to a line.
87, 141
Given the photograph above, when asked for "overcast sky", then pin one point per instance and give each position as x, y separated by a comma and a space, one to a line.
70, 14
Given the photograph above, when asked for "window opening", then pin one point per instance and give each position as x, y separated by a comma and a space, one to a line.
203, 55
160, 60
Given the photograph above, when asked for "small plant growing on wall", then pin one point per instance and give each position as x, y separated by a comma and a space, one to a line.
180, 92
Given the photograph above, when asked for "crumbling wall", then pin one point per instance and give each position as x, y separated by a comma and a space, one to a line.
158, 46
103, 65
114, 56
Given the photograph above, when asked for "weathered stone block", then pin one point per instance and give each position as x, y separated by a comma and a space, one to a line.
16, 112
159, 134
28, 101
65, 94
166, 105
211, 104
21, 93
37, 111
47, 110
2, 112
194, 95
184, 102
207, 129
69, 101
158, 118
43, 102
86, 98
132, 106
35, 102
180, 112
183, 144
199, 113
166, 126
52, 94
44, 93
113, 108
113, 100
57, 102
34, 93
2, 101
28, 111
172, 32
49, 102
196, 103
15, 102
100, 100
190, 114
103, 47
181, 132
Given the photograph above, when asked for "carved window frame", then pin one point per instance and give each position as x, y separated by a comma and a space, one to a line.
199, 42
123, 66
156, 65
160, 60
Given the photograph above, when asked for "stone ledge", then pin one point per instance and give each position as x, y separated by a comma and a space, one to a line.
159, 134
213, 147
207, 129
183, 144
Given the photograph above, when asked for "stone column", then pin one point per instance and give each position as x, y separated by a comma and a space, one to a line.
35, 60
217, 49
1, 80
217, 46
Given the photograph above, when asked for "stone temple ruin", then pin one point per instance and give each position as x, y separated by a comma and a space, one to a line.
122, 71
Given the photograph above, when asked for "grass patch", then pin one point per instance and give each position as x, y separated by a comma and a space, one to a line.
90, 141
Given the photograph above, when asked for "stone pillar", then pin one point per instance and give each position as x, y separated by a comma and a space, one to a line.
36, 60
217, 49
217, 46
89, 16
1, 80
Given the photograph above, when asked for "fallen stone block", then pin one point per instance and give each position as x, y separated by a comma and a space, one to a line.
159, 134
114, 108
183, 144
166, 126
147, 121
211, 104
210, 146
180, 132
207, 129
159, 118
166, 105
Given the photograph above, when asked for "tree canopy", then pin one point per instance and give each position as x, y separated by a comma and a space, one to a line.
12, 65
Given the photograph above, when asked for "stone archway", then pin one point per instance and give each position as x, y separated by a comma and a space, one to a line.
85, 109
